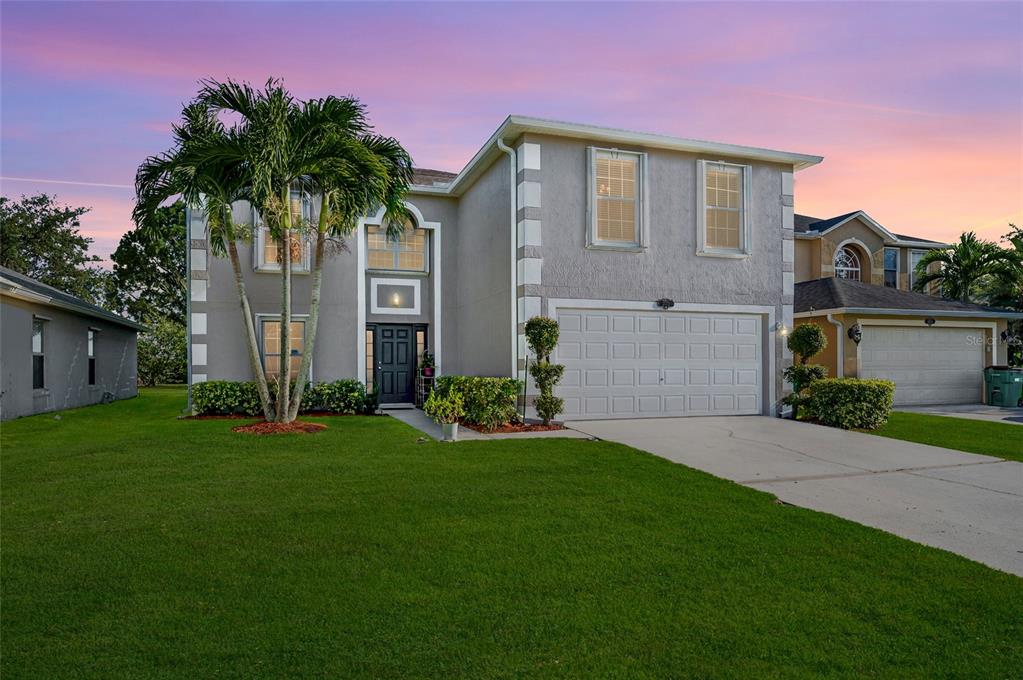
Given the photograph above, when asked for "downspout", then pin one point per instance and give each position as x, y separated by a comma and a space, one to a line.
840, 352
188, 305
513, 202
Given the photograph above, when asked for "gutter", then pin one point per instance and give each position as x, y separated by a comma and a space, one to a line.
16, 290
981, 314
513, 202
840, 334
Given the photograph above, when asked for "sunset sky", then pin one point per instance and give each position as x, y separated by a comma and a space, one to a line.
917, 107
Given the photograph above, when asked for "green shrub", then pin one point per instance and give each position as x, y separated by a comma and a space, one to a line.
542, 336
445, 409
225, 398
850, 403
162, 353
341, 396
548, 407
807, 340
488, 402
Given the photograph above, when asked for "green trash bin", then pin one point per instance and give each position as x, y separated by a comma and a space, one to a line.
1003, 386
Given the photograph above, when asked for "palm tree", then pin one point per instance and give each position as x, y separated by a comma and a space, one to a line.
207, 167
324, 146
964, 267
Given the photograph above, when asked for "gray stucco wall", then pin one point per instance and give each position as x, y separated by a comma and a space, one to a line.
482, 302
66, 363
669, 266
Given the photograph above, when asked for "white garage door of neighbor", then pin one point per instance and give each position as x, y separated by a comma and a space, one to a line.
928, 365
626, 364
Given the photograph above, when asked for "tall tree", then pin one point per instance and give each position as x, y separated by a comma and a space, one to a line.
42, 239
207, 167
324, 146
1005, 289
149, 276
964, 267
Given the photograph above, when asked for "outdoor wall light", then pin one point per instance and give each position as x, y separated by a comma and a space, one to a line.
929, 321
396, 300
855, 333
665, 303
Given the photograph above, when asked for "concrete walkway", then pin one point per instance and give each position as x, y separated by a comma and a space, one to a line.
420, 421
965, 503
1013, 416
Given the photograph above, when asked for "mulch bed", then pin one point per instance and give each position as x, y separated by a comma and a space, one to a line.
293, 427
516, 427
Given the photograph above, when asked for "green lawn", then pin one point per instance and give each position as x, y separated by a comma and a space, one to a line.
137, 545
975, 436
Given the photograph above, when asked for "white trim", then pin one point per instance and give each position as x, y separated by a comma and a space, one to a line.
745, 248
360, 285
198, 323
766, 311
928, 313
867, 219
197, 290
270, 316
642, 211
199, 357
866, 250
375, 308
197, 261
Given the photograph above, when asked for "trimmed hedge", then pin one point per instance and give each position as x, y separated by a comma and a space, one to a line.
229, 398
225, 398
849, 403
488, 402
341, 396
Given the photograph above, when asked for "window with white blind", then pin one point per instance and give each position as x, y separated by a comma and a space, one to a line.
617, 212
266, 255
271, 346
724, 216
404, 254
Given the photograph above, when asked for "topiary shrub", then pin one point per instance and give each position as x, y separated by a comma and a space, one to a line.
807, 340
850, 403
542, 337
225, 398
340, 396
488, 402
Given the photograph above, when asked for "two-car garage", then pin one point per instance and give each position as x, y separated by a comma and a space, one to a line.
626, 363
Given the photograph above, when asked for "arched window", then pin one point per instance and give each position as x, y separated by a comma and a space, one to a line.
847, 264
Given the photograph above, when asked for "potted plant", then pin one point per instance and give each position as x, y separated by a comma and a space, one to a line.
445, 411
426, 364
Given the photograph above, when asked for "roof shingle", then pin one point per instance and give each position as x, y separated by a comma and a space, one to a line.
836, 293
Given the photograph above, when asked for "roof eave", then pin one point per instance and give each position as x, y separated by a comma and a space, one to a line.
980, 314
15, 290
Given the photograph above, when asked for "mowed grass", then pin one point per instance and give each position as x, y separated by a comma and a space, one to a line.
1003, 440
137, 545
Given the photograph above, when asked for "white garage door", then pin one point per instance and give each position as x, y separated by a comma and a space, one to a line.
624, 364
927, 365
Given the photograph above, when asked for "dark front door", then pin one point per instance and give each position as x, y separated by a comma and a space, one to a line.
395, 352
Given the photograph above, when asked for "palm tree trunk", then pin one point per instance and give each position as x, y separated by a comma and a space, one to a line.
314, 312
250, 333
284, 379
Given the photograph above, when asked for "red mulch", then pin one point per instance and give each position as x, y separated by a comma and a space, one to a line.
264, 427
230, 417
517, 427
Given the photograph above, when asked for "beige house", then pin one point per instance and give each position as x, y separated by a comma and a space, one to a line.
855, 279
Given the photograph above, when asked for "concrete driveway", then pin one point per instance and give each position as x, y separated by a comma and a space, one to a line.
965, 503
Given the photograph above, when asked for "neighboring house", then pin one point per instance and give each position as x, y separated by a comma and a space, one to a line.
854, 278
58, 351
668, 262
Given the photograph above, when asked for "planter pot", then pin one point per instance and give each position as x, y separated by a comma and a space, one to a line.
450, 431
428, 372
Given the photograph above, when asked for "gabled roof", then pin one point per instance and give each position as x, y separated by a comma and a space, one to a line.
25, 287
428, 178
837, 295
515, 126
816, 226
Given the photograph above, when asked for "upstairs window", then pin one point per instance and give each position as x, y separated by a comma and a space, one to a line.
891, 267
38, 355
616, 180
270, 329
92, 357
914, 259
406, 254
267, 255
847, 264
724, 219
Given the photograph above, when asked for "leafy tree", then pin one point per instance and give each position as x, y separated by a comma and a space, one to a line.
149, 277
162, 353
964, 267
805, 341
324, 146
1005, 289
42, 239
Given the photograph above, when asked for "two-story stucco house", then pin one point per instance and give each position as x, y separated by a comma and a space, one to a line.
855, 278
669, 264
